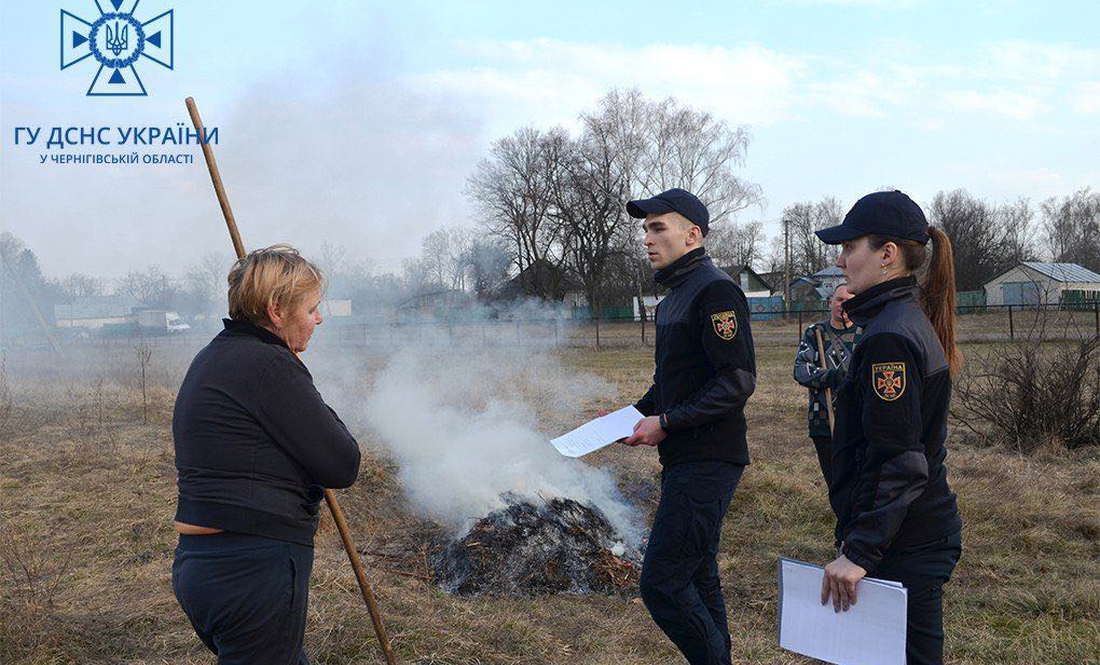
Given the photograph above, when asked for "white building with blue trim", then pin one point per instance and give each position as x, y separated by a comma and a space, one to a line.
1035, 283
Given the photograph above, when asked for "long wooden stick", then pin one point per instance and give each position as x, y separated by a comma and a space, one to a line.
828, 391
330, 496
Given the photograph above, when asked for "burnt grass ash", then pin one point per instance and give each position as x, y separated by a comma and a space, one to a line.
558, 546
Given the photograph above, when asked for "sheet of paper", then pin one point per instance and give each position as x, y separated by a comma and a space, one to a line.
872, 632
596, 434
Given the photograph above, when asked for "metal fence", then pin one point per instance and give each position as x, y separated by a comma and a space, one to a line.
976, 324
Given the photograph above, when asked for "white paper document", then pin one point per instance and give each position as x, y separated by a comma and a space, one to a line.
596, 434
871, 632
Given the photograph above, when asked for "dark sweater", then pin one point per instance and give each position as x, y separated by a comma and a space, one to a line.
705, 364
255, 443
889, 489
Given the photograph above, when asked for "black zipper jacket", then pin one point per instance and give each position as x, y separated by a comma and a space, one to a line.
705, 364
255, 443
889, 487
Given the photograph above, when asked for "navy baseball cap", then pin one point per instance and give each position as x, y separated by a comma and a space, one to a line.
673, 200
883, 213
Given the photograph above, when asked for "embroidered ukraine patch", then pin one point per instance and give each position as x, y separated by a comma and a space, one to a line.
888, 380
725, 324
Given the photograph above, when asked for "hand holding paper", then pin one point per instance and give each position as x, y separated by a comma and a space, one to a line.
648, 432
840, 580
870, 633
596, 434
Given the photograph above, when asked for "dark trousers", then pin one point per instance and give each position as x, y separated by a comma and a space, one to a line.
246, 596
679, 582
824, 447
923, 569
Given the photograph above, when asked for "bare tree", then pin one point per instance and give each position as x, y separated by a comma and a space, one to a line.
443, 256
808, 253
198, 291
79, 285
734, 244
666, 145
976, 239
216, 266
590, 190
589, 202
1018, 226
415, 279
203, 286
987, 239
151, 286
370, 293
459, 241
513, 190
486, 262
432, 261
1072, 227
332, 258
559, 202
26, 297
776, 256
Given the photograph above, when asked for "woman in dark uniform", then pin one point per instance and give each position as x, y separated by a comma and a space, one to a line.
255, 445
897, 519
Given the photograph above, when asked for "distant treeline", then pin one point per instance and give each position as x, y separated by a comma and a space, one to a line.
551, 209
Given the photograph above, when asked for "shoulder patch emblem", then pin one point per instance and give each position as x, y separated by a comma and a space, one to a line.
725, 324
889, 380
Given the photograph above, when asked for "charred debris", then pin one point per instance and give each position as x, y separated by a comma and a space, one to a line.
528, 549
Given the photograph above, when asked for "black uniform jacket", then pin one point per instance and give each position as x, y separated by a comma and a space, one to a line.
706, 366
255, 443
889, 487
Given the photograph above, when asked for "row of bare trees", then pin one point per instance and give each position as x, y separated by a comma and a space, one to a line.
807, 254
454, 258
551, 204
1071, 226
988, 238
199, 290
557, 200
581, 233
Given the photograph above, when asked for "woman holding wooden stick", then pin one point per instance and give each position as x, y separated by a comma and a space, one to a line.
255, 444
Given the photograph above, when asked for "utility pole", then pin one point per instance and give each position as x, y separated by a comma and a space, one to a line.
787, 266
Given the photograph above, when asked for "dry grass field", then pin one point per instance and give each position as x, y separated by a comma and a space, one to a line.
88, 492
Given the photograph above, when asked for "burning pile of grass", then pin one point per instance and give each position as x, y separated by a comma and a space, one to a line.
525, 549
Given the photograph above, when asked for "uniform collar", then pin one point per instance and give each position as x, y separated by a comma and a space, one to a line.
864, 307
676, 273
235, 328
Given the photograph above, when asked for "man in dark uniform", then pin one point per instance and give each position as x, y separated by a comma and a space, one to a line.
705, 373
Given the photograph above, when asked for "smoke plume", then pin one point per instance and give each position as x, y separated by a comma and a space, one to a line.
468, 425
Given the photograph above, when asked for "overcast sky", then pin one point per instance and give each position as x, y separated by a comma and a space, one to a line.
357, 123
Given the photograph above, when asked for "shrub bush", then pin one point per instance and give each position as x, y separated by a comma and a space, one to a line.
1034, 394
